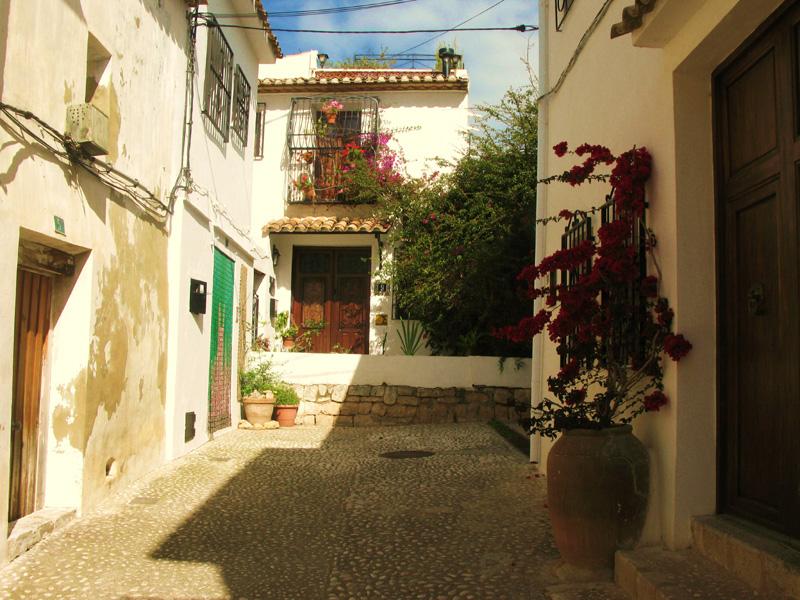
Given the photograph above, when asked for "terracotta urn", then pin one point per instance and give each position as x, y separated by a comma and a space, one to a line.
258, 407
286, 414
597, 491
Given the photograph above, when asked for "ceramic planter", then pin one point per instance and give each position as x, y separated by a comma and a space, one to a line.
597, 489
258, 407
286, 414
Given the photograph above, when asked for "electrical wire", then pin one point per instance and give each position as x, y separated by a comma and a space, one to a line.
522, 28
317, 11
475, 16
68, 151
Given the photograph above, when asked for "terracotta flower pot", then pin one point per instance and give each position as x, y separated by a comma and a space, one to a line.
597, 489
258, 407
288, 343
309, 193
285, 415
331, 118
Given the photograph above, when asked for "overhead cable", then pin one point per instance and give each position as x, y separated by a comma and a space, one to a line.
317, 11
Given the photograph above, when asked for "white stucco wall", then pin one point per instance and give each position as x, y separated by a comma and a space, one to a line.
653, 89
214, 213
417, 371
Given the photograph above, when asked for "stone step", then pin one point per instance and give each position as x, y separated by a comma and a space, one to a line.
767, 561
657, 574
585, 591
28, 531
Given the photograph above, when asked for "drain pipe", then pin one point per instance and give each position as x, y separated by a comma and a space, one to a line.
537, 363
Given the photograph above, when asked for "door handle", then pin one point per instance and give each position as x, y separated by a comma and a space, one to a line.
755, 299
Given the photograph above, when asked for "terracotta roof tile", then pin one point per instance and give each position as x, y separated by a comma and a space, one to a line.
325, 225
415, 78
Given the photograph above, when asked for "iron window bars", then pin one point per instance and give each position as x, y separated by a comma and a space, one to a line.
625, 341
241, 105
258, 143
315, 143
562, 8
219, 72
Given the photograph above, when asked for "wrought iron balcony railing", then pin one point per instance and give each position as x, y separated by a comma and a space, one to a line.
319, 130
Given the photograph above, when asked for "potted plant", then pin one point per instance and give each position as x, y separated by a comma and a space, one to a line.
258, 399
330, 109
305, 184
311, 329
286, 404
286, 330
307, 156
612, 329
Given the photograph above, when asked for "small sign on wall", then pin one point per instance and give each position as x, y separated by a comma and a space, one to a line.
58, 223
381, 319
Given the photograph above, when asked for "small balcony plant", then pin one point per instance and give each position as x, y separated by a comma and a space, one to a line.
330, 109
305, 184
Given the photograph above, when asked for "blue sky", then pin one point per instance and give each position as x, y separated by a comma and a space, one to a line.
493, 59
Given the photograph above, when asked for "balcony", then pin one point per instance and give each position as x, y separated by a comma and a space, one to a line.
319, 130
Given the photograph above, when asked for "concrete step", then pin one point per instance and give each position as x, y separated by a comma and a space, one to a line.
767, 561
585, 591
657, 574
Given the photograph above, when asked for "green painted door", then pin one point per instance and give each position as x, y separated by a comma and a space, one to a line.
219, 388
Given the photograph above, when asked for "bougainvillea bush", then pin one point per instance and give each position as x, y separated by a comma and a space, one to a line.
610, 325
461, 237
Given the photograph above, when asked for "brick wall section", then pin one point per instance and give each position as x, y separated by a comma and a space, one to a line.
365, 405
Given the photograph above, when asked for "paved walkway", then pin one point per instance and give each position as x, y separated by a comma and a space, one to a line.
304, 513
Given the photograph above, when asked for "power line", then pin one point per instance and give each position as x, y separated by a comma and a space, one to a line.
475, 16
521, 28
317, 11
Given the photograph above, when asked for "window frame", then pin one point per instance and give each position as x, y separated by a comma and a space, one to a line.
240, 107
217, 95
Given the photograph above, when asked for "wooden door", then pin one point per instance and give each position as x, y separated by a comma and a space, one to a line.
758, 155
32, 324
332, 285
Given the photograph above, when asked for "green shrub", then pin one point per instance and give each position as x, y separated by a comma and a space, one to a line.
284, 394
258, 378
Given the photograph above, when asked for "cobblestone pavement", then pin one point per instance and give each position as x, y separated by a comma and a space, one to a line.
307, 513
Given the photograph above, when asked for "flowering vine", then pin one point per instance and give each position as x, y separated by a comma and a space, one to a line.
610, 325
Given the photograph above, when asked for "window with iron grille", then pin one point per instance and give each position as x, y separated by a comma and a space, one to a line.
218, 80
316, 141
578, 231
258, 143
241, 105
562, 8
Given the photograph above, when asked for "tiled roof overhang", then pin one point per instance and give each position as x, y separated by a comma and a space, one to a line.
632, 17
262, 15
359, 82
325, 225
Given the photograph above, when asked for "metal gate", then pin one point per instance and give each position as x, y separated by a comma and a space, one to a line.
219, 389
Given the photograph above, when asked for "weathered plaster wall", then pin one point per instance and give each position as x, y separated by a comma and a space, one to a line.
659, 96
104, 377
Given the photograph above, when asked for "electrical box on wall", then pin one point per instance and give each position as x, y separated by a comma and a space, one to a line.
197, 297
87, 125
188, 430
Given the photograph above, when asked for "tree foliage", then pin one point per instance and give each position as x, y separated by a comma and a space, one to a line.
462, 237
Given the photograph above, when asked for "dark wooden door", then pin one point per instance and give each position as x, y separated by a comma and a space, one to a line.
32, 324
758, 154
332, 285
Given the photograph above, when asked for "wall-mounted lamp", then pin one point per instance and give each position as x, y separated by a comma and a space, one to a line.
275, 256
322, 58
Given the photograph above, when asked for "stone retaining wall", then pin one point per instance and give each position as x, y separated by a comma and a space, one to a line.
364, 405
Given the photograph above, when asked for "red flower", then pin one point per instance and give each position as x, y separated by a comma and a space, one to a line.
575, 397
650, 286
654, 401
676, 346
560, 149
565, 214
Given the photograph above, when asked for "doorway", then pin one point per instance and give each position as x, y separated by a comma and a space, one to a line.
31, 328
757, 141
332, 285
